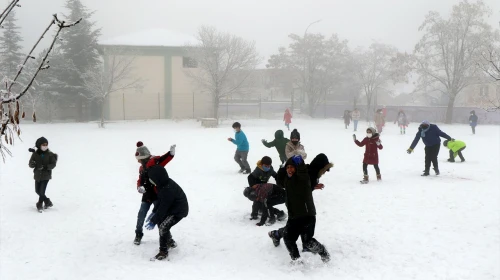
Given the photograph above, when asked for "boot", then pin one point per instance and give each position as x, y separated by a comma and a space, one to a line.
138, 238
325, 256
436, 170
271, 220
247, 171
171, 244
39, 206
365, 179
47, 203
274, 236
281, 216
379, 177
451, 160
426, 173
161, 255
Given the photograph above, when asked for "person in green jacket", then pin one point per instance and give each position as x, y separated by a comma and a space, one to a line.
456, 147
279, 142
42, 161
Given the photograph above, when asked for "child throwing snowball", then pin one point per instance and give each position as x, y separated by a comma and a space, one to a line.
372, 144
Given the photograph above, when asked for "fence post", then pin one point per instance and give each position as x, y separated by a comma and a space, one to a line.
227, 107
193, 105
123, 104
260, 106
159, 109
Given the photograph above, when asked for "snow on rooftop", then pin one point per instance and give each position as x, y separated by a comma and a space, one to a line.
153, 37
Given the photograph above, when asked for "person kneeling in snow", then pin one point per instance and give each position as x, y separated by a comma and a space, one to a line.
456, 147
301, 211
172, 207
265, 197
260, 175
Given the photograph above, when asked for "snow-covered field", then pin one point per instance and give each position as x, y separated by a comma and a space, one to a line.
406, 227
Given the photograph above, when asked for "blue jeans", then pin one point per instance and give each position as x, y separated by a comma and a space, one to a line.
355, 125
141, 216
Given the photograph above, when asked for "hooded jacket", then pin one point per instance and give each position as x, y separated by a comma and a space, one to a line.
455, 146
150, 195
259, 176
371, 147
279, 142
431, 137
299, 200
42, 162
473, 119
172, 200
318, 166
287, 118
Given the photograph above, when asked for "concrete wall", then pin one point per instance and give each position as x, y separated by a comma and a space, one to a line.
149, 103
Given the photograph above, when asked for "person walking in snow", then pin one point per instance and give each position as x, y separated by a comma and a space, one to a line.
347, 118
265, 197
171, 208
144, 186
261, 175
430, 134
473, 121
402, 121
42, 161
242, 148
294, 147
379, 120
280, 143
372, 144
456, 147
356, 116
287, 118
301, 211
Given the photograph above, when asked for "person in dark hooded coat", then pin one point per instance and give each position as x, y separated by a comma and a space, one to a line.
280, 143
171, 208
43, 161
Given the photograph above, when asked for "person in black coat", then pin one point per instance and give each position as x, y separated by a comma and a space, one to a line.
473, 121
260, 175
171, 208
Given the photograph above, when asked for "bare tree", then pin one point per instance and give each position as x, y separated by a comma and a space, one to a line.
10, 108
490, 64
115, 74
224, 64
376, 67
447, 52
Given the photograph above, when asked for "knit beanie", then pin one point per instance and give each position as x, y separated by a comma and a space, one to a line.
290, 162
295, 134
142, 151
426, 123
40, 141
266, 160
373, 130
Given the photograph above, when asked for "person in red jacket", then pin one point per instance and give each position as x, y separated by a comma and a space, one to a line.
372, 144
287, 118
144, 186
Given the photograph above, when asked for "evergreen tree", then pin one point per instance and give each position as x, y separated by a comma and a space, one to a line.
79, 45
10, 47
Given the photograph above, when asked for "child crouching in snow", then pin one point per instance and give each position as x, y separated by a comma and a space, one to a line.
456, 147
260, 175
372, 144
171, 208
265, 197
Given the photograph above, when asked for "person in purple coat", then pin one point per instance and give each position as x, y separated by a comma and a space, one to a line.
430, 134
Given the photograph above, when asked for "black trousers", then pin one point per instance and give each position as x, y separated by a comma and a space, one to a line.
164, 230
459, 152
304, 227
365, 169
431, 156
40, 188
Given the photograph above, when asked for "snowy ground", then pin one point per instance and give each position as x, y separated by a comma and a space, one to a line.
406, 227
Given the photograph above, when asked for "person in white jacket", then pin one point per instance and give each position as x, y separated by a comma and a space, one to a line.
356, 116
294, 148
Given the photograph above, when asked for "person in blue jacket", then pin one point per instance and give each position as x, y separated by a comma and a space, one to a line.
430, 134
242, 148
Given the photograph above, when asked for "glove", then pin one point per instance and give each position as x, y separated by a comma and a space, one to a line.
148, 219
409, 151
41, 167
172, 149
141, 189
378, 142
319, 187
354, 137
150, 226
297, 160
259, 224
263, 141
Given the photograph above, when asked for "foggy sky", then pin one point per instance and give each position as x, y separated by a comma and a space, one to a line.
267, 22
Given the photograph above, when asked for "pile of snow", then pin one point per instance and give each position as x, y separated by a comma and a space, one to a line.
153, 37
406, 227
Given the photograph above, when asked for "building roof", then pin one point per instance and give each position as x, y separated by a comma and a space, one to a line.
152, 37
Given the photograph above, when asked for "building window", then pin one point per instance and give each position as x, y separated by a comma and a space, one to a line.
188, 62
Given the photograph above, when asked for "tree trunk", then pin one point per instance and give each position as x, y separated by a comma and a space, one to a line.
102, 113
449, 110
216, 108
